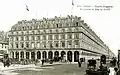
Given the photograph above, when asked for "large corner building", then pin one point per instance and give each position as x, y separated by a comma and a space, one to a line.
67, 37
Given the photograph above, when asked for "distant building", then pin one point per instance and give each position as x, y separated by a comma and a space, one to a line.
67, 37
3, 44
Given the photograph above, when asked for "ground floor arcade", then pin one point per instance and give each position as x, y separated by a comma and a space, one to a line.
71, 55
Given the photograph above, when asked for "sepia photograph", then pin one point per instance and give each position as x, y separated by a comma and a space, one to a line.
59, 37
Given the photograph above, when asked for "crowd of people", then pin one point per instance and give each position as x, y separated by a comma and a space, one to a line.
114, 67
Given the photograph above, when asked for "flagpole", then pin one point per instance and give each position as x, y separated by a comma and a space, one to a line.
72, 7
27, 9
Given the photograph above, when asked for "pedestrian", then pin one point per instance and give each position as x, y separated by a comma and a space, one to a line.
42, 61
79, 63
8, 62
36, 62
116, 70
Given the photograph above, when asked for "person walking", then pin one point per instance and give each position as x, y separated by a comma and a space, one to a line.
116, 70
79, 63
43, 61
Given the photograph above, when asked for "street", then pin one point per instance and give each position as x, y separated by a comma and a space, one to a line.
55, 69
61, 69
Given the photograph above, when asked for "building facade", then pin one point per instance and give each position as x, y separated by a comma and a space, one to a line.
67, 37
3, 44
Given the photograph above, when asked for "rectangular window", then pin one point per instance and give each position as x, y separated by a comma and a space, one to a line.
2, 45
63, 30
22, 45
44, 31
76, 36
38, 32
16, 45
56, 43
27, 45
44, 44
11, 45
62, 36
63, 43
33, 38
27, 37
50, 37
76, 42
56, 30
69, 36
22, 38
70, 42
51, 46
38, 45
69, 30
38, 37
27, 32
77, 24
11, 38
50, 31
56, 37
76, 29
33, 45
16, 38
57, 25
44, 37
32, 32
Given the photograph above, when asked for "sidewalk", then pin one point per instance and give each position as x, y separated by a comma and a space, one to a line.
16, 66
54, 63
19, 66
38, 65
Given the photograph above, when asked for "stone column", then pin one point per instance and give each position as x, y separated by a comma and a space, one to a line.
53, 55
59, 53
14, 54
19, 55
35, 55
72, 56
30, 55
47, 54
24, 54
80, 53
66, 55
41, 55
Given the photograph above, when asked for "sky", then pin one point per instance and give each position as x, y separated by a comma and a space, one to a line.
104, 23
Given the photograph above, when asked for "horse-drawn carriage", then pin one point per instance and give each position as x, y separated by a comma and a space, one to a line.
92, 70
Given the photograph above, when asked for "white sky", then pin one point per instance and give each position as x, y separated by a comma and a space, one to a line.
105, 23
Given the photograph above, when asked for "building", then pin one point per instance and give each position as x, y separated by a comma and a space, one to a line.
67, 37
3, 44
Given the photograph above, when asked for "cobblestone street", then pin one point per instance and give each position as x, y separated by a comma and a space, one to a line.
60, 69
47, 69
